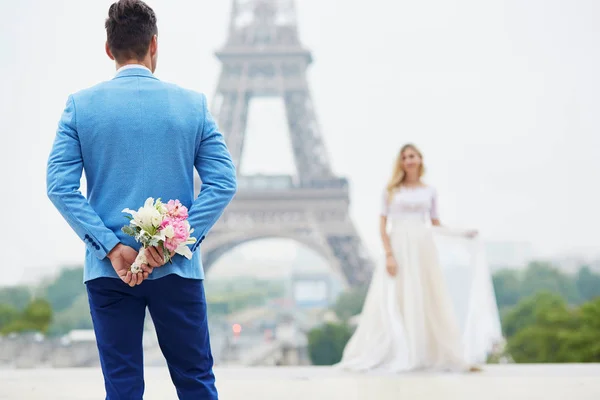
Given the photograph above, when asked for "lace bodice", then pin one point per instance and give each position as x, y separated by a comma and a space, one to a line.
411, 203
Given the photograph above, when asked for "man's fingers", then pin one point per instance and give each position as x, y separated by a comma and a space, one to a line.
133, 279
161, 254
140, 278
153, 253
127, 277
146, 275
154, 258
147, 269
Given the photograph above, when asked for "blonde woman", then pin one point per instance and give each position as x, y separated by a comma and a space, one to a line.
408, 321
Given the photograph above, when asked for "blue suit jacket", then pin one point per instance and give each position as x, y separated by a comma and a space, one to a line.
137, 137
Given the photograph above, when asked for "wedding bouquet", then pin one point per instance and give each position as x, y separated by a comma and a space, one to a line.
161, 225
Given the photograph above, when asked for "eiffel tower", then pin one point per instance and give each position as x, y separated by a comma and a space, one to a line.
263, 56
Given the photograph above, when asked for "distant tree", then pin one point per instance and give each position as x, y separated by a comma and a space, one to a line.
350, 302
540, 276
8, 314
584, 341
77, 316
16, 296
527, 312
236, 300
588, 283
326, 343
540, 330
218, 307
36, 317
507, 286
67, 287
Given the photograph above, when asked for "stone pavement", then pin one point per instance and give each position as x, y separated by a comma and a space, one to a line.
505, 382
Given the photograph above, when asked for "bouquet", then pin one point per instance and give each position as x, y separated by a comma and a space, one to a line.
161, 225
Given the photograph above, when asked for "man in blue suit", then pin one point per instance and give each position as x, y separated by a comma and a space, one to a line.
137, 137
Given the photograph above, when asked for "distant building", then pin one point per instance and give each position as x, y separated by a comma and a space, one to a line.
572, 264
512, 255
312, 289
81, 335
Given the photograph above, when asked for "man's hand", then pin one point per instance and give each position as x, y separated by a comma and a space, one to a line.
121, 258
156, 256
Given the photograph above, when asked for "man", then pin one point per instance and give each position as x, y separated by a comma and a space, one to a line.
137, 137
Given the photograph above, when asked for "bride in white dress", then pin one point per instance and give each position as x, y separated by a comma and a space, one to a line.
409, 319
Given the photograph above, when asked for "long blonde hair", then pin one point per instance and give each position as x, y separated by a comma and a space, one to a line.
398, 173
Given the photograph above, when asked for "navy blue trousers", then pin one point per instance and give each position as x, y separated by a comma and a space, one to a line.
178, 309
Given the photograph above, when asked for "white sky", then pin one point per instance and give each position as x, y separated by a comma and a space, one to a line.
501, 96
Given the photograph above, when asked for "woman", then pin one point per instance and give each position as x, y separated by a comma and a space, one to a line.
408, 320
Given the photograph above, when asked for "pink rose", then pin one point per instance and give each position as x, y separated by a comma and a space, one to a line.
166, 222
182, 232
177, 210
171, 244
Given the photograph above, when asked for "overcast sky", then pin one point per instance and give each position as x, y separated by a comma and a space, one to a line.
501, 96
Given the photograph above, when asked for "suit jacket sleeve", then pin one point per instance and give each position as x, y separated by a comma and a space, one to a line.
64, 169
217, 173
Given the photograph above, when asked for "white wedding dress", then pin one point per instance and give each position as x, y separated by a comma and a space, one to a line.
416, 320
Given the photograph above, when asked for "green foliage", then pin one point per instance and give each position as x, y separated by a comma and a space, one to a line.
66, 307
539, 320
77, 316
537, 328
226, 297
217, 307
528, 311
588, 283
507, 285
39, 314
128, 230
544, 277
239, 301
350, 302
326, 343
8, 314
67, 287
584, 341
512, 286
36, 317
15, 296
544, 329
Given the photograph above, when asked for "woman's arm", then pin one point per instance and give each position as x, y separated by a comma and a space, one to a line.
385, 238
390, 261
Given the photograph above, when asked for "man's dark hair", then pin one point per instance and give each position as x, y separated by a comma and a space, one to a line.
129, 29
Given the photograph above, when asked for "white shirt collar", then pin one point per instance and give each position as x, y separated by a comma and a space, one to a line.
131, 66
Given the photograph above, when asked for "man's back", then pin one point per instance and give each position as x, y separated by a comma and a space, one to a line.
139, 137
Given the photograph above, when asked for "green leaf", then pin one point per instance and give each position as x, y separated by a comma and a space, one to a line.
128, 230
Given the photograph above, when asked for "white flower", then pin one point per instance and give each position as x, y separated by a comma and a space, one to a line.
148, 217
183, 250
169, 232
161, 207
133, 214
156, 219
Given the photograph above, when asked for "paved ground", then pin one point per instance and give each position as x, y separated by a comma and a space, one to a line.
522, 382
